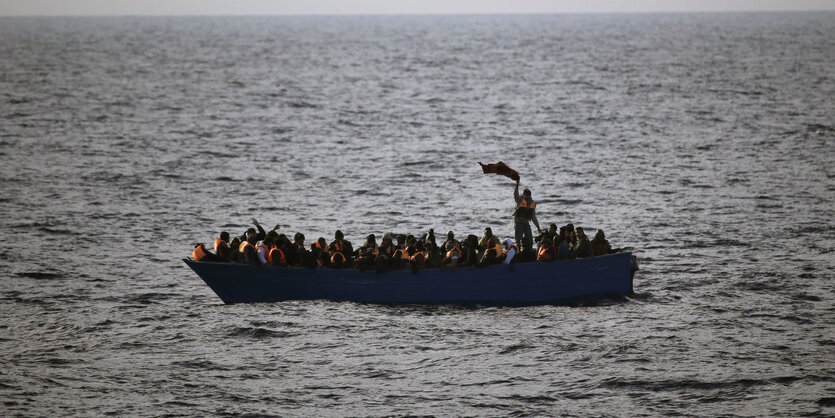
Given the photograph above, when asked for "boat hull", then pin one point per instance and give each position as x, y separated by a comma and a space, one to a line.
526, 283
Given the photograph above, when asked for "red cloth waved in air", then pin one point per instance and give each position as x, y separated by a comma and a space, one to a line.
500, 168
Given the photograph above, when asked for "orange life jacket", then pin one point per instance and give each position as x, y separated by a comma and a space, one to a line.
276, 257
454, 252
544, 253
218, 241
496, 247
337, 255
198, 253
243, 246
525, 209
401, 254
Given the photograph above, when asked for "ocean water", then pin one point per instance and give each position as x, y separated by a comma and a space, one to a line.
705, 142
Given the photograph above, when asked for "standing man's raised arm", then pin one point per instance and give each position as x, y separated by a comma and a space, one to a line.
516, 196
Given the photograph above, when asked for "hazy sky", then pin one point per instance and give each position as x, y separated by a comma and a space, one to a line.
258, 7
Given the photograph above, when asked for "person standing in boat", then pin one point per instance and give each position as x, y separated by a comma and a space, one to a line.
524, 214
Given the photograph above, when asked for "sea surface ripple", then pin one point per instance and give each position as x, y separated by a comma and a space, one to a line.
705, 142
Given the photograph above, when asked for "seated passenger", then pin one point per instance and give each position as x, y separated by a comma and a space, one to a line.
510, 250
400, 259
417, 259
262, 248
222, 249
433, 254
200, 253
452, 251
469, 256
370, 242
278, 252
563, 250
319, 252
482, 243
401, 241
235, 255
287, 252
248, 253
599, 244
302, 257
431, 238
340, 251
547, 249
493, 254
366, 258
385, 252
583, 247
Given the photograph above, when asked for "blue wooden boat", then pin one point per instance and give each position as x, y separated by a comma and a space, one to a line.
524, 283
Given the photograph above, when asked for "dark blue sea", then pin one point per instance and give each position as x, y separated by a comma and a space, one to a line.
704, 142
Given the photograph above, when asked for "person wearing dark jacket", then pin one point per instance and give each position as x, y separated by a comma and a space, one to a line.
340, 251
250, 255
599, 244
222, 249
582, 249
260, 234
469, 257
302, 255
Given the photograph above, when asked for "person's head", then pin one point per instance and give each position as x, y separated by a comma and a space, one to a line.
546, 241
338, 234
488, 232
235, 243
251, 239
224, 236
250, 233
580, 232
508, 242
552, 229
269, 240
299, 238
322, 243
473, 240
450, 235
272, 234
419, 246
570, 227
527, 193
371, 239
412, 241
401, 239
599, 235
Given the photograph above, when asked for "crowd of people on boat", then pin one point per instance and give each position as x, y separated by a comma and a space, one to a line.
259, 247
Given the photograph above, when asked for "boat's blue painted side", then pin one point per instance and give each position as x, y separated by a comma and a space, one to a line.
526, 283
